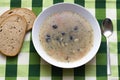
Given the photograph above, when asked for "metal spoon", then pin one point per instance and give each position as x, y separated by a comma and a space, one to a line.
107, 30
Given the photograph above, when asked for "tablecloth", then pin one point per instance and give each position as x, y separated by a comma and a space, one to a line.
28, 65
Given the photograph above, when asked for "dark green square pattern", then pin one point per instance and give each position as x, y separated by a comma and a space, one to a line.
36, 3
80, 2
58, 75
15, 3
118, 4
118, 47
101, 70
100, 3
102, 48
57, 1
118, 25
79, 73
34, 70
11, 70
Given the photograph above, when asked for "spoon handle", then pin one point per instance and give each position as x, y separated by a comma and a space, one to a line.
108, 59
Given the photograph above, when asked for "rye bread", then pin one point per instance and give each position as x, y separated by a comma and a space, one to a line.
12, 32
26, 13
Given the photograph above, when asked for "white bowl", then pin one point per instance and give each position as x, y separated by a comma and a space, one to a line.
58, 8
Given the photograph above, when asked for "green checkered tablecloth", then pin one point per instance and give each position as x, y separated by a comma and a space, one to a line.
28, 65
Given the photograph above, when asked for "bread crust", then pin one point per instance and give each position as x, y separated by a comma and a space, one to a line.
26, 13
12, 33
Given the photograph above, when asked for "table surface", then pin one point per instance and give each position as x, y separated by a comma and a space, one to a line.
28, 65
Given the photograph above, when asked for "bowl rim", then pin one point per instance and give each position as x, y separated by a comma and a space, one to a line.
65, 65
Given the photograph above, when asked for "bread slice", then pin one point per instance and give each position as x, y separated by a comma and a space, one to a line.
12, 32
26, 13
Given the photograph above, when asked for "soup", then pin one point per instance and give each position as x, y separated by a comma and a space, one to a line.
66, 36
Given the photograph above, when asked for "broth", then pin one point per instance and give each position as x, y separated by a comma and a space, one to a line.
66, 36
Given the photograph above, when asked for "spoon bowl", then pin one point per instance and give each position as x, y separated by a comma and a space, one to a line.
107, 27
